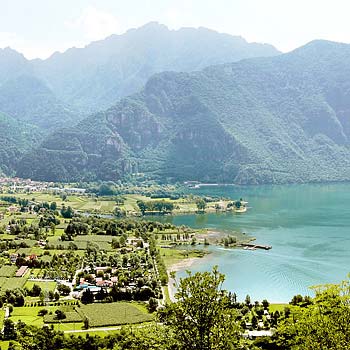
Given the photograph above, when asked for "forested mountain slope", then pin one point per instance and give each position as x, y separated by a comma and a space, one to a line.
15, 138
268, 120
28, 99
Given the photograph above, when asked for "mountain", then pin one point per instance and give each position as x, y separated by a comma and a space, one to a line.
15, 139
12, 65
28, 99
95, 77
66, 87
279, 119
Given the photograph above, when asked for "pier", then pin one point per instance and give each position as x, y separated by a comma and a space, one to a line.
252, 246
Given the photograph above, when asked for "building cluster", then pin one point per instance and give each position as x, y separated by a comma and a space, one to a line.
25, 185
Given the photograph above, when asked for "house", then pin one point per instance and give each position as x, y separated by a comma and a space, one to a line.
41, 243
13, 257
101, 269
114, 280
104, 283
32, 257
12, 209
257, 334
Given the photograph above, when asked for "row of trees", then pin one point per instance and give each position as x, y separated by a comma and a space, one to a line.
161, 207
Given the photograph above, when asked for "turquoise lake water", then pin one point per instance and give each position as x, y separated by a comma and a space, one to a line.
308, 227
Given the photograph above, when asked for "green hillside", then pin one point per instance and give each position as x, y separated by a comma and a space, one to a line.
28, 99
15, 138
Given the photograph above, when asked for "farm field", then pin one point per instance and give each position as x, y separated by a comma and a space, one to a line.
29, 315
99, 315
71, 317
277, 307
8, 270
12, 282
112, 314
45, 286
80, 203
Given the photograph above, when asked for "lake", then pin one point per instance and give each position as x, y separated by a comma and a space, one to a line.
308, 227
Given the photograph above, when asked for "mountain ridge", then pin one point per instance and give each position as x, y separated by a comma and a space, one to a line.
262, 120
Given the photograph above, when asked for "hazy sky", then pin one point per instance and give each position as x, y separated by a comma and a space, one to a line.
37, 28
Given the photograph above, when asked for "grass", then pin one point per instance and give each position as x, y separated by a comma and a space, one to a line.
29, 315
8, 270
172, 256
45, 286
77, 202
113, 314
4, 344
166, 294
26, 251
94, 238
277, 307
12, 282
68, 327
71, 317
2, 317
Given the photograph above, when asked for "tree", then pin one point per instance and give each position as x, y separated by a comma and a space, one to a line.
53, 228
86, 323
119, 212
56, 296
60, 315
152, 304
51, 295
323, 324
35, 291
105, 190
142, 206
201, 204
43, 312
67, 212
201, 318
63, 289
9, 331
87, 297
265, 304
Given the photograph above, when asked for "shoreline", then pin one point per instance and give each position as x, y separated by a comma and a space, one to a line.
213, 237
187, 263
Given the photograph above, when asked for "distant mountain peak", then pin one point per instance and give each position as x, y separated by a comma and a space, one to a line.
319, 46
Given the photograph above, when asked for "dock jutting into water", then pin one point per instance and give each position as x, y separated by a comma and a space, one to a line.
253, 246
